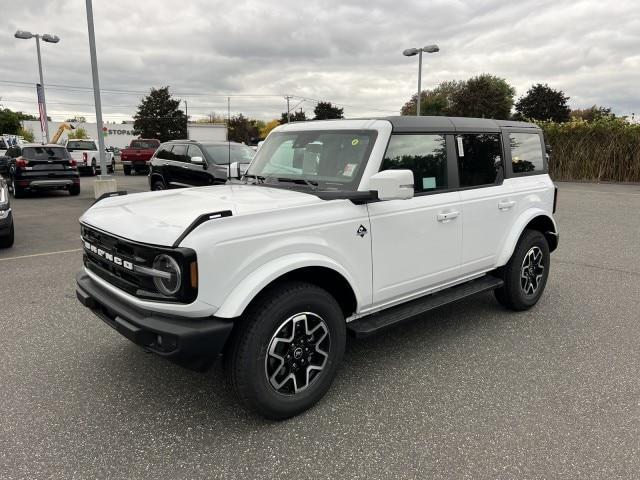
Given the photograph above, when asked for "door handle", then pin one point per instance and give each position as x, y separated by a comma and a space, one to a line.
506, 205
446, 217
185, 166
166, 164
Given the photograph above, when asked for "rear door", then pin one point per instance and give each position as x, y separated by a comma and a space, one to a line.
488, 204
416, 243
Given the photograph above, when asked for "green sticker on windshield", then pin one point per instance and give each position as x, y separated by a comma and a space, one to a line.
355, 142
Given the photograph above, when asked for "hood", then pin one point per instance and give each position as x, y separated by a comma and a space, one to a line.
159, 218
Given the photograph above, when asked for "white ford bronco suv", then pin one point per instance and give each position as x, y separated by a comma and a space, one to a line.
345, 226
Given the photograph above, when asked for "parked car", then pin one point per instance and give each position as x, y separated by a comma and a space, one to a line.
137, 157
35, 167
347, 225
85, 153
184, 163
6, 217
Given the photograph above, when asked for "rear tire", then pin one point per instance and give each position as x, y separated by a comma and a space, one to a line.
74, 189
526, 273
126, 169
284, 352
94, 170
7, 240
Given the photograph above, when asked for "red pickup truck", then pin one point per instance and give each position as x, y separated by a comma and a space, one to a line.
138, 155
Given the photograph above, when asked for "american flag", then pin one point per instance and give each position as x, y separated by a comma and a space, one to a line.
43, 117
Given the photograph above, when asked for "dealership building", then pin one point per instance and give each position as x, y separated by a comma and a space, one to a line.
120, 134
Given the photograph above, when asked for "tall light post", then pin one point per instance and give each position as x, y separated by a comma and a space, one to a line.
410, 52
104, 183
24, 35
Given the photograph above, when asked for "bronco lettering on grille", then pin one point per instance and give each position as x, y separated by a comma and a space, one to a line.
108, 256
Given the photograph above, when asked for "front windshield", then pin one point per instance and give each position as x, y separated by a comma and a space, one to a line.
331, 160
81, 145
239, 153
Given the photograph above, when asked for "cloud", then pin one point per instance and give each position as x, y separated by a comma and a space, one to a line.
345, 52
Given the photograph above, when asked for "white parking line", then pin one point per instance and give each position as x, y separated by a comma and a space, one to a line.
39, 254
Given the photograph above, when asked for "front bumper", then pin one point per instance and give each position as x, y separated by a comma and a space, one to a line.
185, 340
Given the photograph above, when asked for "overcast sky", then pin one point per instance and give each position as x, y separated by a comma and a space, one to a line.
347, 52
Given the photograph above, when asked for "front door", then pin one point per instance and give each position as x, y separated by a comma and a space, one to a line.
416, 243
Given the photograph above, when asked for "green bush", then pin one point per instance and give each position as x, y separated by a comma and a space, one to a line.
607, 149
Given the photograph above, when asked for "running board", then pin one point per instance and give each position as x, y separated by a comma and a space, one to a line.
375, 322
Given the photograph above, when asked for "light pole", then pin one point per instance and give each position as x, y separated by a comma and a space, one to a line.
24, 35
410, 52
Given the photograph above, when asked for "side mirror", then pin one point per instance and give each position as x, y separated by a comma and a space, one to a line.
234, 170
393, 184
197, 160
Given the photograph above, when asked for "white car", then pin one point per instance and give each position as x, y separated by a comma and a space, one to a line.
85, 153
338, 226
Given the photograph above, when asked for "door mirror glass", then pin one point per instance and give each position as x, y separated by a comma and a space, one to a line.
393, 184
197, 160
234, 170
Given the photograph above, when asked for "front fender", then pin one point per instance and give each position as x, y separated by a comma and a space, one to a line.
243, 293
520, 224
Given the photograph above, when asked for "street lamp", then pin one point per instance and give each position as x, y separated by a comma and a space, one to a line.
410, 52
24, 35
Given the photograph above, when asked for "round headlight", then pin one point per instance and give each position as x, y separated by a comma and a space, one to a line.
169, 284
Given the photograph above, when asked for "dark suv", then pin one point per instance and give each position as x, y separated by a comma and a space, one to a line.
34, 167
186, 163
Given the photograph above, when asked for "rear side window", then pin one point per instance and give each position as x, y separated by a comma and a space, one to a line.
164, 152
45, 153
424, 154
479, 159
526, 153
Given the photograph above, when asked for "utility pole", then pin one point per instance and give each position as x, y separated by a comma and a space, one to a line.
288, 97
228, 116
186, 114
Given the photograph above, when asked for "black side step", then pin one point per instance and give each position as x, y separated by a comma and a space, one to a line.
377, 321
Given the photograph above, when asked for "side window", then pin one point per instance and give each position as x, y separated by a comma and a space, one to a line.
180, 153
424, 154
526, 153
479, 159
164, 152
194, 151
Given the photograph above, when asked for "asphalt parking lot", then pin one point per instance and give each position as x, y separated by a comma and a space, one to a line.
469, 391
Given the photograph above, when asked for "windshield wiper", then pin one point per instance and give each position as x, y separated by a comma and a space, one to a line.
258, 178
299, 181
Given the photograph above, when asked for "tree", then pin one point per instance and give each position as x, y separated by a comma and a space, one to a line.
433, 102
243, 130
9, 122
542, 102
298, 116
326, 111
593, 113
159, 116
78, 133
484, 96
266, 130
26, 134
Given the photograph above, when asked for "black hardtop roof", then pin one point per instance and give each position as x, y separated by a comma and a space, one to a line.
205, 142
454, 124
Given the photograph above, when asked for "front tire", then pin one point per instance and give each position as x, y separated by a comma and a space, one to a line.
7, 240
16, 191
526, 273
158, 185
285, 352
